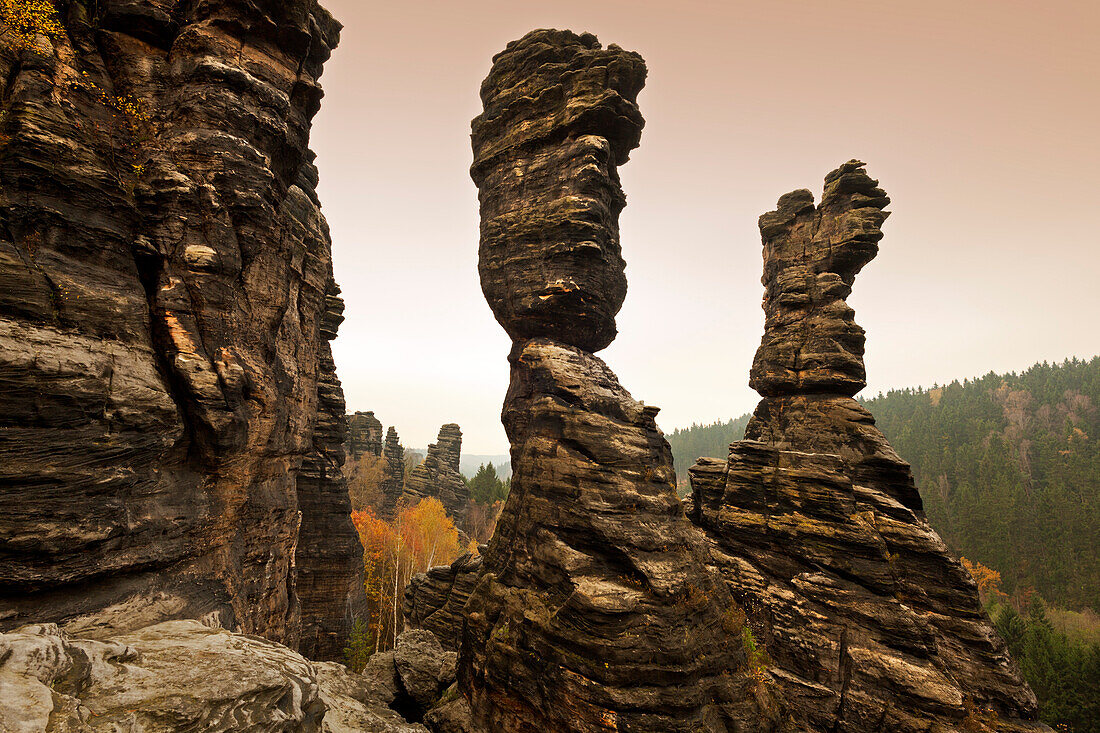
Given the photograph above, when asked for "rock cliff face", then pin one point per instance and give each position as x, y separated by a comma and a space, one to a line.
170, 419
438, 476
814, 520
595, 611
435, 600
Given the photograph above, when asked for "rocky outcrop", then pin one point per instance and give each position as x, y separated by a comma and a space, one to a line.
364, 435
438, 475
867, 621
595, 610
435, 600
166, 298
329, 577
354, 705
393, 475
179, 675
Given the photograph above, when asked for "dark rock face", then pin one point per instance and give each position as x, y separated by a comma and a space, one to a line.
393, 474
814, 520
329, 575
560, 116
170, 419
364, 435
435, 600
595, 610
438, 475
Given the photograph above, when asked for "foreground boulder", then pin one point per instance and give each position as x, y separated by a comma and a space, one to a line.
862, 619
171, 424
182, 675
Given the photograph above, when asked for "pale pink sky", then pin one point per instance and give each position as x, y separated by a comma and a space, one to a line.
981, 119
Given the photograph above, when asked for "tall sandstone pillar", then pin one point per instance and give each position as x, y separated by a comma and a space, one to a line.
868, 622
596, 611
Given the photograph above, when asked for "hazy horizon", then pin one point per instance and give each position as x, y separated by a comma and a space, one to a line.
979, 120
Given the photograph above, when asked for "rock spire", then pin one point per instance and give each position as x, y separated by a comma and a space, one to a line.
393, 474
595, 611
364, 435
438, 475
868, 622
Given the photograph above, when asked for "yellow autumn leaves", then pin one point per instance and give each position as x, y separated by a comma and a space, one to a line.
23, 21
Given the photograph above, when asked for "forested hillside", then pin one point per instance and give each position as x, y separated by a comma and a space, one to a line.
1008, 465
703, 440
1009, 468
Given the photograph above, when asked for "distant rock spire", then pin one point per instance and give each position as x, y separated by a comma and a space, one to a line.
393, 474
438, 476
364, 435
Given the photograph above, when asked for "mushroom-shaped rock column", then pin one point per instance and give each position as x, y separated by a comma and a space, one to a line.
596, 610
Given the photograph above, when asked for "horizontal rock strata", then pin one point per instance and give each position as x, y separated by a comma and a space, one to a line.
595, 610
438, 475
166, 299
364, 435
393, 475
867, 621
435, 600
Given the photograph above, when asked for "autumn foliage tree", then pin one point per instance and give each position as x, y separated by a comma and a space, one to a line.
23, 21
420, 537
988, 580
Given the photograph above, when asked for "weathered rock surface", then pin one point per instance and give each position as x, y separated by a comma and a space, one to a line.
393, 475
364, 435
180, 675
424, 668
815, 523
595, 610
170, 419
435, 600
157, 679
560, 116
354, 707
438, 475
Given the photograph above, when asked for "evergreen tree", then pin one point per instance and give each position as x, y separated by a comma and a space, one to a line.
486, 486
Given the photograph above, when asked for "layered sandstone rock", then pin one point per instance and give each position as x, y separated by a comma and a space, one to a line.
868, 622
438, 475
364, 435
435, 600
166, 298
595, 610
393, 474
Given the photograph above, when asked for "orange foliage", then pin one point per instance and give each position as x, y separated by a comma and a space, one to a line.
988, 580
421, 537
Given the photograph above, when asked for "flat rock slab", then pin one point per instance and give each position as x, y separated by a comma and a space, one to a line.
179, 675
